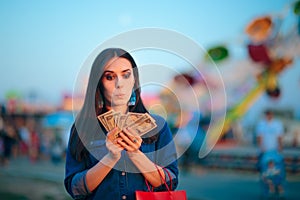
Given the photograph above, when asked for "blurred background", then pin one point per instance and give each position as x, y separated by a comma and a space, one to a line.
254, 45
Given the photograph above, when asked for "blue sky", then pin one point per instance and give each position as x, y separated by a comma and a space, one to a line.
44, 43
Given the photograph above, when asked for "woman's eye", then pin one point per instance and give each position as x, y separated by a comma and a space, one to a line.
109, 77
127, 75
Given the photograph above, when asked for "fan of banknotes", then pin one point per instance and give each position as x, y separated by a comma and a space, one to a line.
141, 123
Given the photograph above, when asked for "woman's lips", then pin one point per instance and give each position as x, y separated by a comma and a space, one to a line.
120, 96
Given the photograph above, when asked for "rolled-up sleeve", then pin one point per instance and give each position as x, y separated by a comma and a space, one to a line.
78, 184
169, 175
171, 179
75, 181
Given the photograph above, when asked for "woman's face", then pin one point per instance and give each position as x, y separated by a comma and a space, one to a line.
118, 82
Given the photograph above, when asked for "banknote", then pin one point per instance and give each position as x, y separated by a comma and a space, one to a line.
132, 118
141, 123
121, 121
101, 118
112, 120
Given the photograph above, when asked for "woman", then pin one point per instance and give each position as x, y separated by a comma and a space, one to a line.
100, 165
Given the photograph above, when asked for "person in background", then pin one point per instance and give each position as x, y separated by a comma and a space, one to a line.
57, 150
272, 176
269, 133
34, 140
269, 139
24, 136
10, 141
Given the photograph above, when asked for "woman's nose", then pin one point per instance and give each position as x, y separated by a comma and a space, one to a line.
119, 82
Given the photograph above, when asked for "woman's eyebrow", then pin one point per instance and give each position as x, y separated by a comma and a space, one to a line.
109, 71
126, 70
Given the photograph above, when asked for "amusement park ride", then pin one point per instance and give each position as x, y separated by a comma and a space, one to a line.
265, 40
268, 47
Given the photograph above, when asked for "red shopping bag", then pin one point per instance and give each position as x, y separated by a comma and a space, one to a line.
166, 195
162, 195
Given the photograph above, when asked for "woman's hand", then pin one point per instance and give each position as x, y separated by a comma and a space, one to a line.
130, 140
112, 144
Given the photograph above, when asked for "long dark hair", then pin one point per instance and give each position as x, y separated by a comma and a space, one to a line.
86, 125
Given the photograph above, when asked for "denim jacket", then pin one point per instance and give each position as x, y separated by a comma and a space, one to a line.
123, 180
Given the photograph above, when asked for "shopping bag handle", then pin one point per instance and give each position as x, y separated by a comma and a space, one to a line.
164, 180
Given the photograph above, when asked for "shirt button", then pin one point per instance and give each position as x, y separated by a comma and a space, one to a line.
123, 197
123, 173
